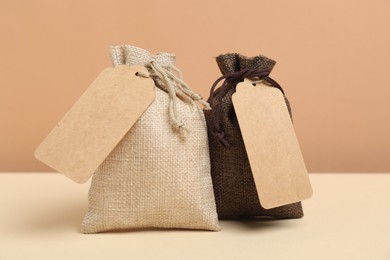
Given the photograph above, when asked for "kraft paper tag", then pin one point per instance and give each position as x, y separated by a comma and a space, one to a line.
96, 123
274, 154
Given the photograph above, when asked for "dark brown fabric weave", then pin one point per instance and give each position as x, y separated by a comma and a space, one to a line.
234, 187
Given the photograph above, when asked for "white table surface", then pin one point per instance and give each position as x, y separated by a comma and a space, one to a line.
347, 218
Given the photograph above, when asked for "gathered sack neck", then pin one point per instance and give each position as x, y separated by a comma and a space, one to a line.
233, 62
162, 69
132, 55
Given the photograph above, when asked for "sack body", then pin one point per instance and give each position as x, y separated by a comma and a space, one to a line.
155, 178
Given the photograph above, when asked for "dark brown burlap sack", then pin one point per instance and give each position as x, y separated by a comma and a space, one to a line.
234, 186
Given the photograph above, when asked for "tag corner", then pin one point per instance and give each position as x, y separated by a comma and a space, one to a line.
36, 152
138, 67
240, 86
75, 176
81, 180
267, 206
310, 193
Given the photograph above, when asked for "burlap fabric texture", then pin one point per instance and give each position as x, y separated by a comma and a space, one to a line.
155, 178
234, 187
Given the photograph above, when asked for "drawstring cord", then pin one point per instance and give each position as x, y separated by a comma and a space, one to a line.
171, 81
230, 81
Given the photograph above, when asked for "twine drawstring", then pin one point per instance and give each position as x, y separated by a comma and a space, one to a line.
185, 88
171, 81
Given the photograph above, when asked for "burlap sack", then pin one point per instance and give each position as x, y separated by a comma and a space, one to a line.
155, 178
234, 187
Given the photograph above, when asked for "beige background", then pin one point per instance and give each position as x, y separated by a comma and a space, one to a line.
333, 61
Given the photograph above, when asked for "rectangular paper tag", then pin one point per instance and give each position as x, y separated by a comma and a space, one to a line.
274, 154
96, 123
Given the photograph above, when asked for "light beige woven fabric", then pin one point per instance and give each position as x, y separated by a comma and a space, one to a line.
154, 178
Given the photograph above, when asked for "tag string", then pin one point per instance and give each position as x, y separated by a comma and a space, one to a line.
170, 82
230, 81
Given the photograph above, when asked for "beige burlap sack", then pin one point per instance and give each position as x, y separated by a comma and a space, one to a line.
158, 176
